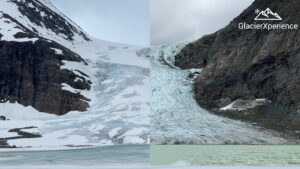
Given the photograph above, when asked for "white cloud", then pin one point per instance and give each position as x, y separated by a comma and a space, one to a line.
125, 21
181, 20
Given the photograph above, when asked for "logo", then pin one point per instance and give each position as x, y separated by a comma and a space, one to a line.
267, 15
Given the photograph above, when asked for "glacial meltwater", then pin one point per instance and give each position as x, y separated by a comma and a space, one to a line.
226, 155
106, 157
162, 157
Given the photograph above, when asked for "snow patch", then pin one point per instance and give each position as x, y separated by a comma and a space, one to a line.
16, 111
31, 130
77, 68
194, 70
241, 105
11, 9
5, 133
9, 29
57, 51
67, 87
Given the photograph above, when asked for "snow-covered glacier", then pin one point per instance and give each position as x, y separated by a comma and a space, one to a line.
119, 105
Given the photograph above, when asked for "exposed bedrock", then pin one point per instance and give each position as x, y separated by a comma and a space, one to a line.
250, 64
30, 74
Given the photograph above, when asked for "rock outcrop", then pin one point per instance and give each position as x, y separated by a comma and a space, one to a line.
4, 144
21, 134
31, 75
31, 59
250, 64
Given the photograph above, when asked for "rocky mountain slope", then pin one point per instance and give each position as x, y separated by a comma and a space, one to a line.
49, 66
32, 60
242, 65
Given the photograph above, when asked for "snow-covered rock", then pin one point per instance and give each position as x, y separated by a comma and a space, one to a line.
240, 105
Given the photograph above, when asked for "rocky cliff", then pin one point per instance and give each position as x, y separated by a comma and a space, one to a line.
32, 58
30, 74
245, 64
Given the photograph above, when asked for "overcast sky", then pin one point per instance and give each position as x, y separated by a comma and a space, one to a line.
181, 20
126, 21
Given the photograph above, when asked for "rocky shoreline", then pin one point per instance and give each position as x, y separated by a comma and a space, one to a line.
260, 116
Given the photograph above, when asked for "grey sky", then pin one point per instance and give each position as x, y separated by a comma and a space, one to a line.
181, 20
126, 21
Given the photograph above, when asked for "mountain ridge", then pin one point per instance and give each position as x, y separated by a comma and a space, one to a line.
31, 35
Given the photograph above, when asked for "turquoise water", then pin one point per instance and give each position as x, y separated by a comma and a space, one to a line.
162, 157
226, 155
109, 155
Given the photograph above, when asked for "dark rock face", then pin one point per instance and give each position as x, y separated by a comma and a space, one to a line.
30, 74
249, 64
23, 134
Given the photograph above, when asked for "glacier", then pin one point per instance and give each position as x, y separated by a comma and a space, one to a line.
119, 96
119, 100
176, 118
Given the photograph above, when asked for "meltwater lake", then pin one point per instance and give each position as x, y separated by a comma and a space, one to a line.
162, 157
106, 157
226, 155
